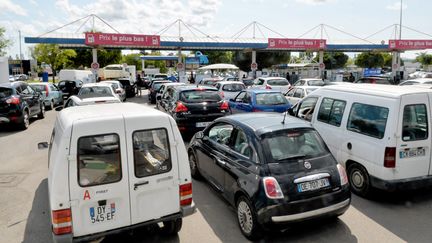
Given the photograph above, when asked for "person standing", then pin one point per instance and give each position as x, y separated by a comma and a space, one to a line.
294, 77
288, 78
139, 84
351, 78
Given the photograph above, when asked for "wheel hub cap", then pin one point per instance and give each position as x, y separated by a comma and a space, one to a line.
245, 217
357, 179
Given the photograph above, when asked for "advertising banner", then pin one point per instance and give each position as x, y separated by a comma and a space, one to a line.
410, 44
297, 44
108, 39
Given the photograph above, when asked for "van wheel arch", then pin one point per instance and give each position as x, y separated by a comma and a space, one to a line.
359, 178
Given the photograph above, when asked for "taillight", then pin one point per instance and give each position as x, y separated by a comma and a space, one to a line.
390, 157
224, 106
46, 90
222, 94
342, 175
272, 188
180, 107
268, 86
13, 100
62, 221
256, 110
186, 194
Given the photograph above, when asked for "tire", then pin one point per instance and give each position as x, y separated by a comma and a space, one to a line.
61, 101
172, 227
26, 120
51, 107
195, 173
247, 219
359, 180
41, 114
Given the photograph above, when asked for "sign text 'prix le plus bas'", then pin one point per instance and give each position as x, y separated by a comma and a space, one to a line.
109, 39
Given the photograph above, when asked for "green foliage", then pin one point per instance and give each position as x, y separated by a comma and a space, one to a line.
132, 59
219, 56
334, 60
264, 59
4, 43
370, 60
105, 57
387, 59
52, 55
424, 58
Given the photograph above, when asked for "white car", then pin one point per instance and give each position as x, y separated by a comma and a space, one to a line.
162, 90
274, 83
118, 88
417, 81
91, 99
229, 89
309, 82
297, 93
101, 89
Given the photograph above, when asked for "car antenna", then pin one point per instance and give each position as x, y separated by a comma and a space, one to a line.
283, 121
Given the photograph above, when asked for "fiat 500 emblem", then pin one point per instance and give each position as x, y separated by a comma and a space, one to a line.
307, 165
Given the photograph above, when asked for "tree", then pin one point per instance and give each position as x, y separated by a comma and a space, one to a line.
424, 58
52, 55
4, 43
334, 60
264, 59
219, 56
387, 59
132, 59
84, 58
370, 60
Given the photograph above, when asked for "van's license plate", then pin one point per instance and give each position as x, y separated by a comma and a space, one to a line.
102, 213
417, 152
202, 124
313, 185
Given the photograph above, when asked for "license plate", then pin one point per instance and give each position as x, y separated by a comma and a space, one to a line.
412, 153
202, 124
101, 214
313, 185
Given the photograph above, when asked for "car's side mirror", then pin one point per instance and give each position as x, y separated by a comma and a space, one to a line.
199, 135
59, 108
42, 145
232, 100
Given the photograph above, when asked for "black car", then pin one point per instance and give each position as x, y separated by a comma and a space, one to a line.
154, 88
19, 102
128, 87
69, 87
274, 173
192, 107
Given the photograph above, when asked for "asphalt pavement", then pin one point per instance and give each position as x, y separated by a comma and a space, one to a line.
24, 209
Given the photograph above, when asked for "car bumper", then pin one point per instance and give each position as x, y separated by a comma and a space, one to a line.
327, 205
189, 125
403, 184
67, 238
11, 118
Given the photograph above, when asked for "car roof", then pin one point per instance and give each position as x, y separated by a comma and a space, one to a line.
309, 79
270, 78
384, 90
261, 91
96, 84
265, 122
194, 87
420, 80
307, 87
230, 82
6, 84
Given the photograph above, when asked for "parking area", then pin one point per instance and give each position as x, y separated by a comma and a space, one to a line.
25, 215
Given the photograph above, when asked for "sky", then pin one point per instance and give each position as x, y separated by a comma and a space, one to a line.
345, 21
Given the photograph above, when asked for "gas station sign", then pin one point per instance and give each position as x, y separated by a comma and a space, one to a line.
410, 44
108, 39
285, 43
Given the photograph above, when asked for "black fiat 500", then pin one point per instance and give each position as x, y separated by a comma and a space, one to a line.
273, 171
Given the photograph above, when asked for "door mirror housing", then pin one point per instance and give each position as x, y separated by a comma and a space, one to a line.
42, 145
59, 108
232, 100
199, 135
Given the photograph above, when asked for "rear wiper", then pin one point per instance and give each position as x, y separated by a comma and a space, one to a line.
299, 156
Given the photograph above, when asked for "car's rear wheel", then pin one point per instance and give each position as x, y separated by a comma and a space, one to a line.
172, 227
26, 120
359, 179
194, 166
247, 219
41, 114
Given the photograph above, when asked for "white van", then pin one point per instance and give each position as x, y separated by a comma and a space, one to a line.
379, 132
86, 76
116, 167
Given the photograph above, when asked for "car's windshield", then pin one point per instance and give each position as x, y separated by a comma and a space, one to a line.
196, 96
96, 89
292, 144
270, 99
233, 87
277, 82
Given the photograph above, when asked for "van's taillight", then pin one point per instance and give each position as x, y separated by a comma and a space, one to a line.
342, 175
62, 221
224, 106
390, 157
180, 107
272, 188
13, 100
186, 194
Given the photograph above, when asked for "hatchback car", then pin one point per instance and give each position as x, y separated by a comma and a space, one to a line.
52, 94
259, 100
276, 83
128, 86
193, 108
154, 89
69, 87
297, 93
274, 171
89, 99
309, 82
100, 89
163, 88
229, 89
417, 81
118, 88
209, 81
19, 102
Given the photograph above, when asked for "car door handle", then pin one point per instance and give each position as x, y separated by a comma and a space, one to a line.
219, 161
136, 185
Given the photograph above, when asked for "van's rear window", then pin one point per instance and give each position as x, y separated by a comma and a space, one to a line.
99, 160
200, 95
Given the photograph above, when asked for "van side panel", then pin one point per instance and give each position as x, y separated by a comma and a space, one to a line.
183, 160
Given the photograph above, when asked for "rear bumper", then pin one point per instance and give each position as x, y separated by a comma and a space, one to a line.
189, 124
327, 205
68, 238
11, 118
403, 184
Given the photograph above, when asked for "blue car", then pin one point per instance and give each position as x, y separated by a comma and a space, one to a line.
259, 100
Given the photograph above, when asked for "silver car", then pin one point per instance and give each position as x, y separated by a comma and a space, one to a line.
53, 96
229, 89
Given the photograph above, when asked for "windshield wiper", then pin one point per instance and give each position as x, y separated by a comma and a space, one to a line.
299, 156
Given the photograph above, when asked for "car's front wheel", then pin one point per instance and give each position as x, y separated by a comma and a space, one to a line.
247, 219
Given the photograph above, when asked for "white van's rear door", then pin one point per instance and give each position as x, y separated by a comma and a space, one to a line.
413, 155
154, 180
98, 176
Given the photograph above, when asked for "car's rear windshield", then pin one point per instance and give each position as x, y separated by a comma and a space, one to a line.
124, 82
277, 82
317, 82
271, 99
38, 87
293, 144
5, 92
248, 82
199, 95
233, 87
67, 83
157, 86
106, 91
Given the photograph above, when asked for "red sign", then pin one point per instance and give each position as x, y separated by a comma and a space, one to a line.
284, 43
322, 65
410, 44
254, 66
95, 65
107, 39
179, 66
